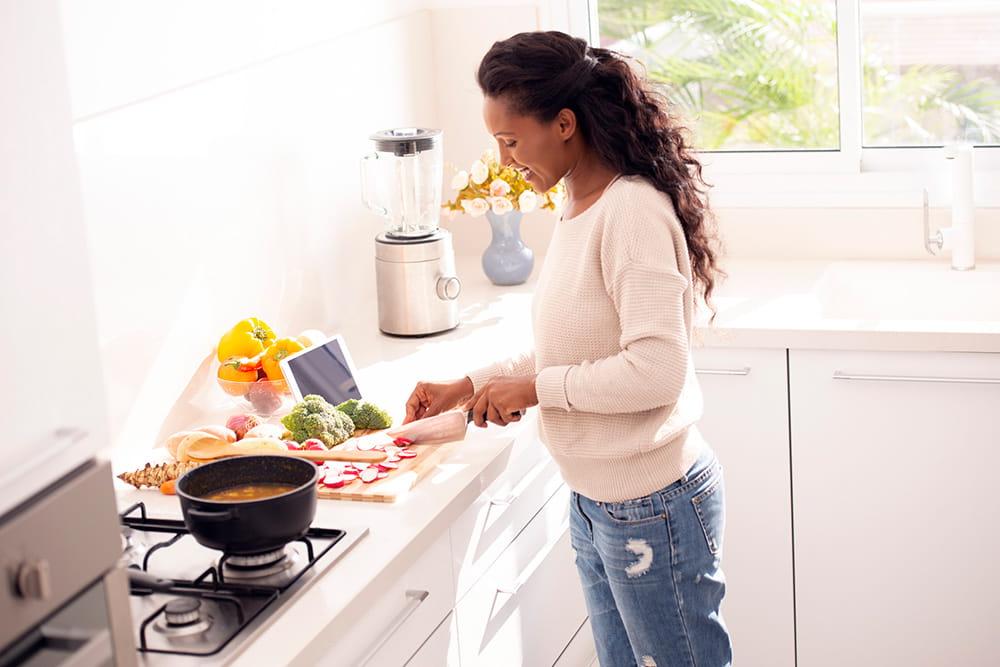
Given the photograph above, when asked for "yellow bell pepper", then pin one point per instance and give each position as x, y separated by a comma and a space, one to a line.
247, 339
281, 348
237, 382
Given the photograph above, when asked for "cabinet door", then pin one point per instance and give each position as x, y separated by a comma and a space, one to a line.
895, 462
746, 423
396, 622
440, 649
527, 606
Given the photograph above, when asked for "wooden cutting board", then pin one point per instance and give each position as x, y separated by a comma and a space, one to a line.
399, 482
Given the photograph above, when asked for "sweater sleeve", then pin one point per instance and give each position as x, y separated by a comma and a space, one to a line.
642, 248
650, 370
521, 364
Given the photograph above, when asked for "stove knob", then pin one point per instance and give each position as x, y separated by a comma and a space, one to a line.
449, 288
33, 580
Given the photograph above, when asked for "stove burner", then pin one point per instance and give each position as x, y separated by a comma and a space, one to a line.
182, 617
258, 566
182, 611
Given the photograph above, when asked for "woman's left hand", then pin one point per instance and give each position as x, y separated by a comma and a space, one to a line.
500, 398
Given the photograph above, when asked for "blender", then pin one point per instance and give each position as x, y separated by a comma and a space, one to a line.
414, 259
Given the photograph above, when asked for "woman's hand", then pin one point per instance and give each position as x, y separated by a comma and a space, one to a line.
501, 397
432, 398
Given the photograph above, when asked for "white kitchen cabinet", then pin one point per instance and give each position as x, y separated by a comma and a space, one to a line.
498, 515
441, 648
528, 605
895, 457
53, 400
402, 616
581, 651
746, 423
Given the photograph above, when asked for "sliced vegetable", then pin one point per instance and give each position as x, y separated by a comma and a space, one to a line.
407, 454
369, 475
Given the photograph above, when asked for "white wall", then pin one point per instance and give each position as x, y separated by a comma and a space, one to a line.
218, 148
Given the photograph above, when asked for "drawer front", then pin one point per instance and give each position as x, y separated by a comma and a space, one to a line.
496, 517
441, 648
529, 604
395, 624
581, 651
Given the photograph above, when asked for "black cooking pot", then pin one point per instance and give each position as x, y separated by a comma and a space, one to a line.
249, 526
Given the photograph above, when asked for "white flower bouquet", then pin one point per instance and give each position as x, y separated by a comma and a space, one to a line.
490, 186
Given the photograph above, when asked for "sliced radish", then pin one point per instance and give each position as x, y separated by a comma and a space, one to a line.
292, 445
365, 445
407, 454
402, 442
333, 481
382, 475
369, 475
387, 465
314, 444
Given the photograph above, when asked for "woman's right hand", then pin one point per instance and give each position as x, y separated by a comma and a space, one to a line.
433, 398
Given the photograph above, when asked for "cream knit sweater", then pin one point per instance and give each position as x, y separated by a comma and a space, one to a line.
612, 317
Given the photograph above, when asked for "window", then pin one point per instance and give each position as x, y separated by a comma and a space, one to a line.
818, 75
931, 72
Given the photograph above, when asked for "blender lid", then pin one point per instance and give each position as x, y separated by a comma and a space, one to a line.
406, 140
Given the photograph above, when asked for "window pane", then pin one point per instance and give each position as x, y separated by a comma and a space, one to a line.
748, 74
931, 71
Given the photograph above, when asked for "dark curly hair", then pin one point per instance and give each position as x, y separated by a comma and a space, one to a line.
621, 117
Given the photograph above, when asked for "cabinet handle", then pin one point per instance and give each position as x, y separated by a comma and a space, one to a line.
521, 486
415, 599
838, 375
723, 371
536, 562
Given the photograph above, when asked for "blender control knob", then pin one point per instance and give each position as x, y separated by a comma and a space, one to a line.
448, 288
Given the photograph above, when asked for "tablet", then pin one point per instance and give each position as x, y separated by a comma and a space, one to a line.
324, 369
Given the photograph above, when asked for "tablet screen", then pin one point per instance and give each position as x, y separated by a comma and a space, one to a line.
324, 370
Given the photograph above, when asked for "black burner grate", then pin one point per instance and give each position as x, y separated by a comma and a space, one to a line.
248, 599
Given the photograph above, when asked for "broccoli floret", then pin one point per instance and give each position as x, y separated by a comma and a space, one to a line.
366, 415
349, 407
315, 418
369, 415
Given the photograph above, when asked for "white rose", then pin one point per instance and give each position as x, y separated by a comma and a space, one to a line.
499, 188
528, 201
501, 205
460, 180
475, 207
479, 172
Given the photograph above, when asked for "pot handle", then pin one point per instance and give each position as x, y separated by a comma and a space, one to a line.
209, 515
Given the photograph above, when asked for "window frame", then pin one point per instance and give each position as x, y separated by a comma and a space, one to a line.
851, 176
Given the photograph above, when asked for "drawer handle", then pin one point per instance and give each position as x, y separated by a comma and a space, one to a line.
535, 563
415, 599
837, 375
521, 486
723, 371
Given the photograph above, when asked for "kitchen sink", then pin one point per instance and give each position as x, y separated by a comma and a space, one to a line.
908, 291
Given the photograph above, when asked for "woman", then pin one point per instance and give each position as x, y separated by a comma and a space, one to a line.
611, 371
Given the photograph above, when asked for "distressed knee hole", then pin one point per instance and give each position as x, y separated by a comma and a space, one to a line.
644, 554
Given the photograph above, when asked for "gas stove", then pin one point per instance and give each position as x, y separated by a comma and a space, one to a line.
188, 600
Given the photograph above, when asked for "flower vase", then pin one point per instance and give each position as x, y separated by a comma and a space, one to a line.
507, 261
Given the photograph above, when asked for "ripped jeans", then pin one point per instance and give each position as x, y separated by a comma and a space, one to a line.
650, 572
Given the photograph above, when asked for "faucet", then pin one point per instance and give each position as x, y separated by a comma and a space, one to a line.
960, 238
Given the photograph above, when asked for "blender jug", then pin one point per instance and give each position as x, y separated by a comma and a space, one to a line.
401, 180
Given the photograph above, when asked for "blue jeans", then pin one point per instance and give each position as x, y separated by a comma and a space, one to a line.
650, 572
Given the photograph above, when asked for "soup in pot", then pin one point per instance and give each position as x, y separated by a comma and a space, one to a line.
250, 492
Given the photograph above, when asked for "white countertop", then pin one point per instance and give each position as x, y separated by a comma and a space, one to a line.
763, 304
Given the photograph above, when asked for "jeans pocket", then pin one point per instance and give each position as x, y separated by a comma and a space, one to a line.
710, 507
632, 512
